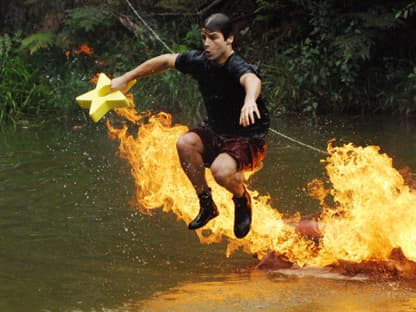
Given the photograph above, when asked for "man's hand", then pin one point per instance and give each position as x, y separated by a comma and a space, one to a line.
248, 113
119, 83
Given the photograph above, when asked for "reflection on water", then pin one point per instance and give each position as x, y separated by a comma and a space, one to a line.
69, 241
296, 290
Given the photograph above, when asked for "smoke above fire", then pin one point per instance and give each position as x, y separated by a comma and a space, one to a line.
368, 211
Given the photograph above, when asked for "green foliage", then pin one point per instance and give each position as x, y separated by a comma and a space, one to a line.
279, 86
29, 84
17, 86
406, 12
265, 7
193, 37
325, 70
37, 41
174, 5
394, 90
171, 92
324, 64
87, 18
6, 46
192, 40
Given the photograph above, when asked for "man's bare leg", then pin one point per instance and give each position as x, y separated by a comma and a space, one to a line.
226, 173
190, 149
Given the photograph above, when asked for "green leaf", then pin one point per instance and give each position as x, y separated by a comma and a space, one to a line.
87, 18
37, 41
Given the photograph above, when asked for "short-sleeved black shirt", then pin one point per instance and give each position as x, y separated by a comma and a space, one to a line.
223, 93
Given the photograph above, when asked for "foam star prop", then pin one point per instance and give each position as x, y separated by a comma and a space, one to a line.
100, 101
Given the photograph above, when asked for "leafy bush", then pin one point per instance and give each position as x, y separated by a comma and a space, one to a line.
339, 58
87, 18
18, 84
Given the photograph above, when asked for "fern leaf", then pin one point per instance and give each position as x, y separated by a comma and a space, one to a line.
37, 41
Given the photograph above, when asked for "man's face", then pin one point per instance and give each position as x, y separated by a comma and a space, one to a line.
215, 46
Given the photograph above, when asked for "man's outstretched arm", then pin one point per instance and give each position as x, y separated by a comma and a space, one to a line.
150, 67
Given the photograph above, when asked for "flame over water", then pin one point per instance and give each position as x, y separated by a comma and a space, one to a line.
375, 209
372, 210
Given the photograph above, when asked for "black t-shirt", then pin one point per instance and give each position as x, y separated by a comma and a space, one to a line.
223, 93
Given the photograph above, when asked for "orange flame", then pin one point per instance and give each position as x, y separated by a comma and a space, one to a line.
375, 208
94, 79
372, 214
67, 54
85, 49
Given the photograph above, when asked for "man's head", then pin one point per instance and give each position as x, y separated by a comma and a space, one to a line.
217, 37
218, 22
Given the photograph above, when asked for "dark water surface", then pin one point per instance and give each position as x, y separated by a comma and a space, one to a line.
69, 240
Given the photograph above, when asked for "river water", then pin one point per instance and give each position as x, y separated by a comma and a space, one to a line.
70, 241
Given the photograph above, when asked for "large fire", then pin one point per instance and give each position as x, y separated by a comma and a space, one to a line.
367, 209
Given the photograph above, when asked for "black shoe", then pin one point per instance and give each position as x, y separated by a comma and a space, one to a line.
242, 215
207, 211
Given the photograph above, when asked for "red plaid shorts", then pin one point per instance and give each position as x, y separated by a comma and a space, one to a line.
248, 152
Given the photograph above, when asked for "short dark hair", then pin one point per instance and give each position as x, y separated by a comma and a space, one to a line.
219, 22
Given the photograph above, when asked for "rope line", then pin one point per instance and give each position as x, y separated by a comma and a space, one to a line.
148, 27
171, 51
298, 142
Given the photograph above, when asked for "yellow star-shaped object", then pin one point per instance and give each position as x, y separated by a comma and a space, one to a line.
100, 101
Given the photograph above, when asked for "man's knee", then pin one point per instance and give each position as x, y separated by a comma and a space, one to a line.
223, 169
188, 141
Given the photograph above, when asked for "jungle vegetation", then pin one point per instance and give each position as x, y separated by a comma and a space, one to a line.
326, 56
